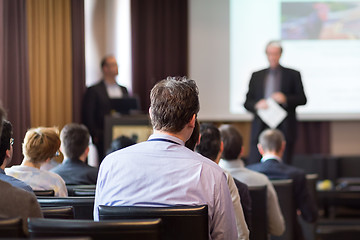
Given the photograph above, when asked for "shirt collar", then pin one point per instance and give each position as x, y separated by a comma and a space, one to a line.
270, 156
166, 136
236, 163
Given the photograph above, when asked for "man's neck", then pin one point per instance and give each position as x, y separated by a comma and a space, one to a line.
177, 135
109, 80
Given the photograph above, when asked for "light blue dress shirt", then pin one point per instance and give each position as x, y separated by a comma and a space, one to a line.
163, 173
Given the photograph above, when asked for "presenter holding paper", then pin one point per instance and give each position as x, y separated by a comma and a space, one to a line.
284, 86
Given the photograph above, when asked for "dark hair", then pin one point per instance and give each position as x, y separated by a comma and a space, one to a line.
210, 141
120, 143
194, 138
104, 60
271, 140
6, 135
74, 139
174, 101
232, 140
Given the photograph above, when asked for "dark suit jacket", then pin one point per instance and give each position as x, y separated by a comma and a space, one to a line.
273, 169
291, 86
96, 105
76, 172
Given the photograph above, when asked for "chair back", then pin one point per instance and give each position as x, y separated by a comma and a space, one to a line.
284, 190
179, 222
83, 206
11, 228
73, 188
258, 230
62, 212
44, 193
121, 229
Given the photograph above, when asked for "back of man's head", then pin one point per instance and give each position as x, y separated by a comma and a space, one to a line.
74, 140
210, 141
271, 140
174, 101
232, 140
6, 135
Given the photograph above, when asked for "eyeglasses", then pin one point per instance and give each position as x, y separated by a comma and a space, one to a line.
11, 141
57, 153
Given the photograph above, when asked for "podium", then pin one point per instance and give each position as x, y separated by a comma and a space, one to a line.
132, 126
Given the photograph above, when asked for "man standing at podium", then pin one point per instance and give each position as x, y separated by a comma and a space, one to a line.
283, 85
96, 102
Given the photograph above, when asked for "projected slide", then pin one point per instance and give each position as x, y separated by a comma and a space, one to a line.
321, 39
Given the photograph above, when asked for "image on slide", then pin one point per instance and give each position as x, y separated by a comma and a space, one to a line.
320, 20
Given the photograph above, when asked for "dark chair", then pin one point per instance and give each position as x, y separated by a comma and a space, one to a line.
121, 229
72, 188
179, 222
44, 193
338, 229
284, 190
309, 228
258, 230
84, 192
63, 212
83, 206
11, 228
312, 164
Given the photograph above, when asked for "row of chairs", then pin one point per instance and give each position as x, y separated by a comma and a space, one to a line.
179, 222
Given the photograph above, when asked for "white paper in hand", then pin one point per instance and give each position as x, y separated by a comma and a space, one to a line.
273, 115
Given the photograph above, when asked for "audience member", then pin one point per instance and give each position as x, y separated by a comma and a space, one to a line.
16, 202
162, 171
96, 102
231, 162
120, 143
75, 146
210, 146
271, 146
39, 146
6, 154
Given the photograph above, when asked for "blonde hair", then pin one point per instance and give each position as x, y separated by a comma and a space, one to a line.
41, 143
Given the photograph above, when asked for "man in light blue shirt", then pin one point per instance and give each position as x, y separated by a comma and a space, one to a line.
162, 171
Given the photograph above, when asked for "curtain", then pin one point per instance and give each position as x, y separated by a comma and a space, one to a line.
313, 138
50, 62
78, 57
14, 80
159, 43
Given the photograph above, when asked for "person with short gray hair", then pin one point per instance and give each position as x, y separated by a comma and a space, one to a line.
272, 146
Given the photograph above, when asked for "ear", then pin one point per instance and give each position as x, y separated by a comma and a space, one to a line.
241, 151
192, 121
86, 152
221, 147
8, 154
260, 148
283, 146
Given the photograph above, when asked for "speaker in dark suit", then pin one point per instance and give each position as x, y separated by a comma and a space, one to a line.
97, 103
282, 84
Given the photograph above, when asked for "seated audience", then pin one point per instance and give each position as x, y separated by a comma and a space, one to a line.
231, 162
39, 146
120, 143
14, 201
271, 146
162, 171
210, 146
6, 153
75, 146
